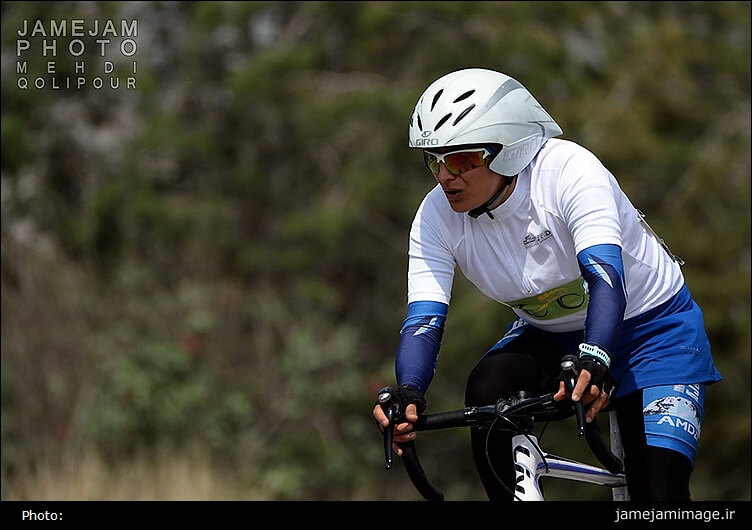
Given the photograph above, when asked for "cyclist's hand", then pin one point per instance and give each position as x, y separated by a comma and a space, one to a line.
594, 383
594, 398
590, 396
407, 403
403, 432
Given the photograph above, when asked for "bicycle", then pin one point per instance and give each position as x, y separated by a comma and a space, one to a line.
531, 462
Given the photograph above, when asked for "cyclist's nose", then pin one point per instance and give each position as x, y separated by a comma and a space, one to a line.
444, 174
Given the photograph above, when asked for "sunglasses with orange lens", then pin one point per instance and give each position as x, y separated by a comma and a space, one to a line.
457, 161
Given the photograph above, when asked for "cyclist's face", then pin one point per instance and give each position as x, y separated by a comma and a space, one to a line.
470, 189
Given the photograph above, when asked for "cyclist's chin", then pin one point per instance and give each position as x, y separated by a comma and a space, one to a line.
463, 202
461, 206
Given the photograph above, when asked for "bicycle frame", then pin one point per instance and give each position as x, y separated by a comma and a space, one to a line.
531, 464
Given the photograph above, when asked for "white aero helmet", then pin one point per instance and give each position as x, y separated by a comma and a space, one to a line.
479, 106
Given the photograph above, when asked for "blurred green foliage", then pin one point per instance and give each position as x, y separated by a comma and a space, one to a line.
218, 257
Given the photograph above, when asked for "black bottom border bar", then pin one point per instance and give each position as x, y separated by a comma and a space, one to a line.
231, 514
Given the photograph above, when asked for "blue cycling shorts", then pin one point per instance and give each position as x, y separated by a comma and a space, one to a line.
673, 417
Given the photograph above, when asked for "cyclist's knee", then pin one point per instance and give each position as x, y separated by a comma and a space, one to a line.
493, 377
502, 374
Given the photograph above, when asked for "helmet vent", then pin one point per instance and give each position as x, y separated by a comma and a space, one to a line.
436, 98
442, 121
420, 125
464, 113
464, 96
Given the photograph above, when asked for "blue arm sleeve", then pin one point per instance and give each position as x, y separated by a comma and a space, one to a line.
603, 271
420, 338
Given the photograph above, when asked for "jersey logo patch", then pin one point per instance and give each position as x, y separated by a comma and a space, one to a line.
554, 303
531, 240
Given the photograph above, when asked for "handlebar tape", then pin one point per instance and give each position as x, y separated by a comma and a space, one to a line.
442, 420
598, 446
417, 475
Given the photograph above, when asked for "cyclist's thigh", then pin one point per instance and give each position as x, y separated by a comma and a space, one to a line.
527, 361
660, 429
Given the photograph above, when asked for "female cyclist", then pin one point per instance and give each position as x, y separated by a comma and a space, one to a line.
539, 224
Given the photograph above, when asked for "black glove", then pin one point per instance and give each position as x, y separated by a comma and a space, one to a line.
399, 398
597, 361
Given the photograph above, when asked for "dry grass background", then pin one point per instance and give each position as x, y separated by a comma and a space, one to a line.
167, 476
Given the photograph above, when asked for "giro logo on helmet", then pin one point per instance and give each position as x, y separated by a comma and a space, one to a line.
517, 152
428, 141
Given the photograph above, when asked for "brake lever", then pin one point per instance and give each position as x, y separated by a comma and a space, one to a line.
388, 437
384, 398
569, 366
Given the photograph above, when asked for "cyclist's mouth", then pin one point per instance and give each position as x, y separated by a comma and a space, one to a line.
453, 195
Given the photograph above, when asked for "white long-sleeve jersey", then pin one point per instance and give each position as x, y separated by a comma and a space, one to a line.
525, 254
